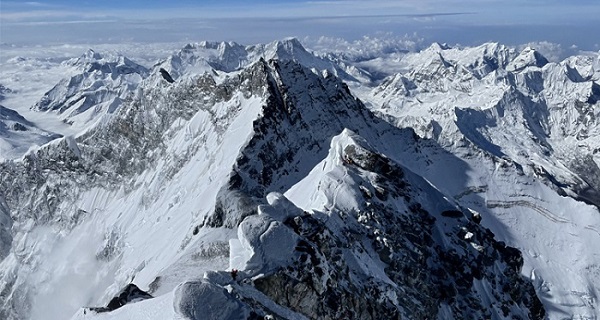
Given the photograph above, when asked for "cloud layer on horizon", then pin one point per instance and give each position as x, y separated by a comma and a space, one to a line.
453, 21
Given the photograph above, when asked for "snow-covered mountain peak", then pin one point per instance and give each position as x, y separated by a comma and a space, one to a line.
228, 57
442, 68
89, 56
118, 66
529, 57
583, 67
292, 49
201, 57
287, 49
483, 59
96, 89
437, 47
91, 61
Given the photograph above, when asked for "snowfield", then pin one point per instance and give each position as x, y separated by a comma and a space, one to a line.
267, 181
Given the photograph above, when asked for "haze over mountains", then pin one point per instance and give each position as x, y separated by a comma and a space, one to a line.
442, 183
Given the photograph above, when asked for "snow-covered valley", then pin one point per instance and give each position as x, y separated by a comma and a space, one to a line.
447, 183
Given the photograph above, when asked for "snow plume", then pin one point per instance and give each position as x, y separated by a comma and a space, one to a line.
66, 285
367, 47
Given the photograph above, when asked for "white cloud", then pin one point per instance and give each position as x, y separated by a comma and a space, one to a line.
43, 15
366, 47
61, 22
36, 4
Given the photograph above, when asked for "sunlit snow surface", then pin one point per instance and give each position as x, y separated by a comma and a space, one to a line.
145, 230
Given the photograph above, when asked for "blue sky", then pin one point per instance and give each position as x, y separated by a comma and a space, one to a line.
467, 22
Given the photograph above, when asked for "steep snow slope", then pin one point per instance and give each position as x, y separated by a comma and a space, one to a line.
519, 112
106, 190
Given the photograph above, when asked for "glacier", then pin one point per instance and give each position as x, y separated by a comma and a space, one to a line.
444, 183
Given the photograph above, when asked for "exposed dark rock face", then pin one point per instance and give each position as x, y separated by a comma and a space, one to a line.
130, 293
19, 127
586, 167
165, 74
430, 259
